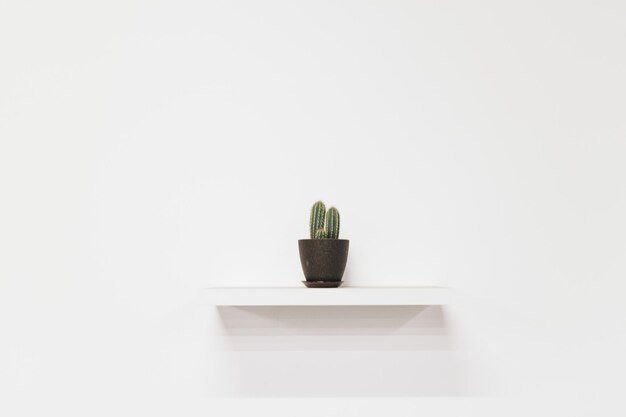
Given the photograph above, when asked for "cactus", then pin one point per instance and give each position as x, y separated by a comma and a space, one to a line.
318, 211
332, 223
320, 218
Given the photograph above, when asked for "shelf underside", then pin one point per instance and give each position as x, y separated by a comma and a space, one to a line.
343, 296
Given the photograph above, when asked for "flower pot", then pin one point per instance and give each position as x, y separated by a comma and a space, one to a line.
323, 260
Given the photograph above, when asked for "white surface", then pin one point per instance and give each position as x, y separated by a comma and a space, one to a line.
149, 149
343, 296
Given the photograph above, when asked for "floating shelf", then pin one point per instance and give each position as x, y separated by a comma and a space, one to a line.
343, 296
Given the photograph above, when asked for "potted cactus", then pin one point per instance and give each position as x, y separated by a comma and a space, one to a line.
324, 255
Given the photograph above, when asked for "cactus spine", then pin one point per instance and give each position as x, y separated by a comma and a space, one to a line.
318, 212
324, 224
332, 223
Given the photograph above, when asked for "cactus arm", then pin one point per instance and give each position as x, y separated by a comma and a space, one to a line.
321, 234
332, 223
318, 212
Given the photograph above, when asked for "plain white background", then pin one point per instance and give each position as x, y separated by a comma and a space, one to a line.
149, 149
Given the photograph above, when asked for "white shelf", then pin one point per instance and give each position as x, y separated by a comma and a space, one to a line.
343, 296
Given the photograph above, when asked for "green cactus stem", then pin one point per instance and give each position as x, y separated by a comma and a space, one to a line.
318, 212
332, 223
321, 234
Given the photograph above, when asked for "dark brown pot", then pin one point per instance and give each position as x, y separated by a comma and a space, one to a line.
323, 259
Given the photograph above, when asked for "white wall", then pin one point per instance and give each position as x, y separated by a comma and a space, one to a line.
149, 149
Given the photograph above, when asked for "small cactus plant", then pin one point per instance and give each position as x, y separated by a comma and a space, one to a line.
332, 223
324, 224
318, 212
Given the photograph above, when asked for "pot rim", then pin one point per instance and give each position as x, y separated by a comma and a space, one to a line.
336, 240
